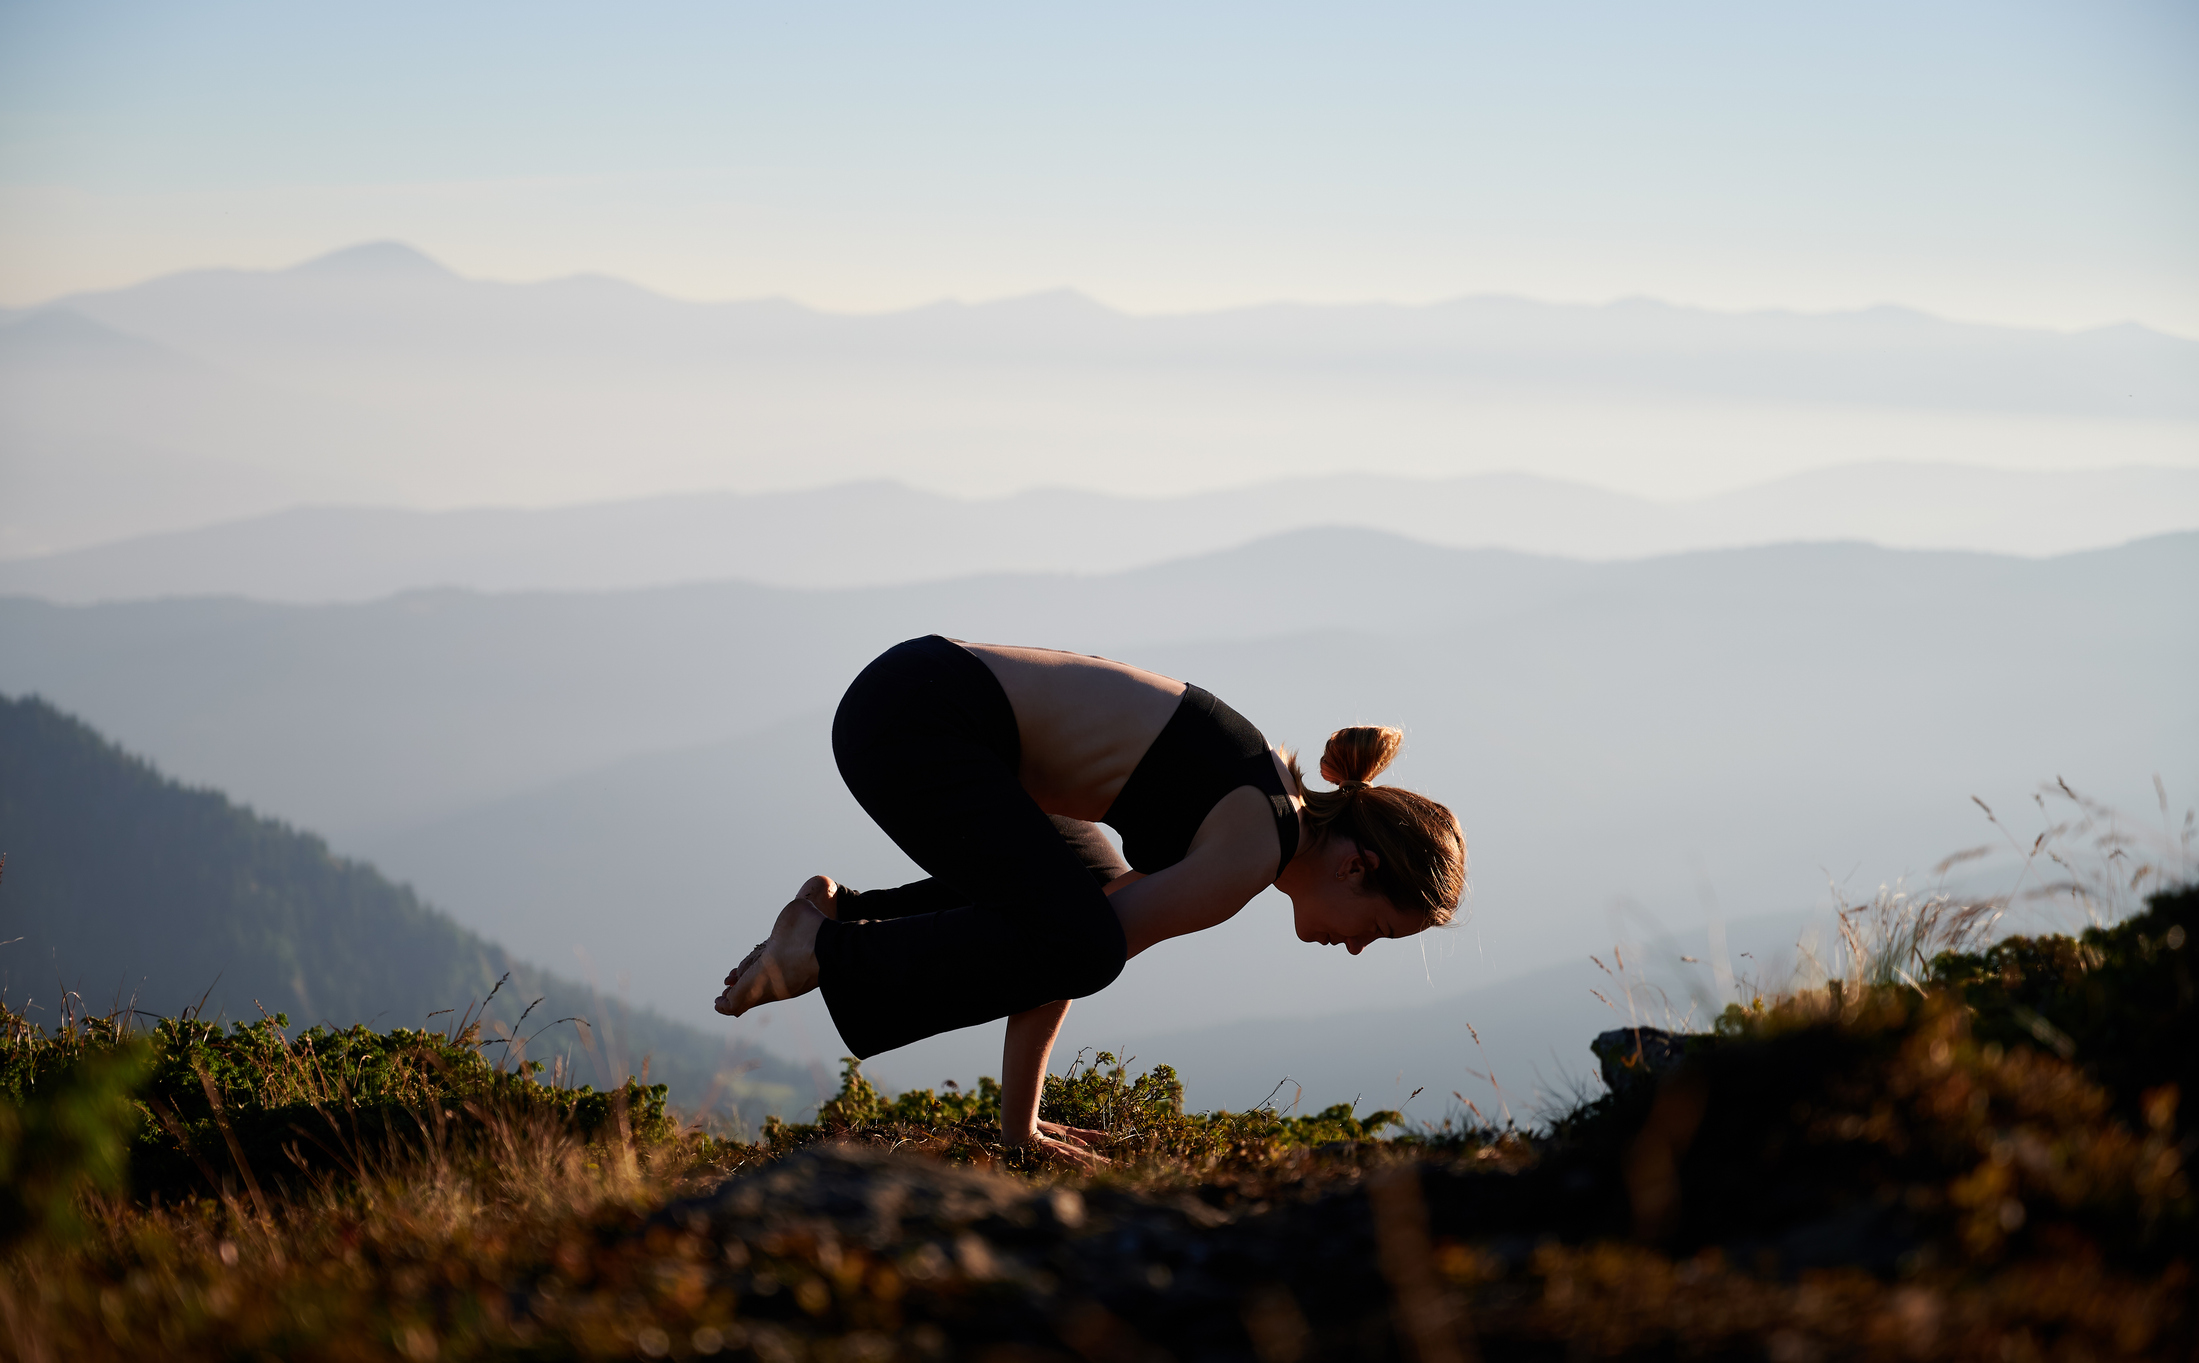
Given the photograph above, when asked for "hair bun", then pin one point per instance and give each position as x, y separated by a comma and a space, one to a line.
1357, 755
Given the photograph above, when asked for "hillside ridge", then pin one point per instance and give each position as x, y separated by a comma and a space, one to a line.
121, 881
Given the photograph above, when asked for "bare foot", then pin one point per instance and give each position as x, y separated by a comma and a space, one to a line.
826, 894
784, 967
724, 1002
755, 954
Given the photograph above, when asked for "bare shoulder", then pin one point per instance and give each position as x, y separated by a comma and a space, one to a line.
1232, 859
1019, 657
1237, 840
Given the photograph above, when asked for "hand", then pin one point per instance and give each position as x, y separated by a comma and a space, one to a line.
1073, 1133
1070, 1145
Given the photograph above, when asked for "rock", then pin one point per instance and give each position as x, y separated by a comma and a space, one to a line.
863, 1193
1631, 1054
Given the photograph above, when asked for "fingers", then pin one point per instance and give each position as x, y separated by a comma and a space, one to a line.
1075, 1155
1073, 1133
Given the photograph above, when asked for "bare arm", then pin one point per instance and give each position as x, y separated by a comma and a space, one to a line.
1181, 899
1023, 1068
1231, 860
1024, 1052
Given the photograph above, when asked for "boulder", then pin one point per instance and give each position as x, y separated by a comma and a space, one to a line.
1630, 1054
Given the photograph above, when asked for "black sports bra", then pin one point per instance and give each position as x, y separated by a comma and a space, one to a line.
1205, 751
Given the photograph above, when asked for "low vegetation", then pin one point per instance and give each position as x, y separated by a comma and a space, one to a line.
1144, 1119
181, 900
1980, 1154
188, 1109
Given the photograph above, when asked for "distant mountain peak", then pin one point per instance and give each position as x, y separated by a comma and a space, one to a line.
376, 260
54, 332
1644, 304
1063, 302
1063, 299
2135, 331
64, 326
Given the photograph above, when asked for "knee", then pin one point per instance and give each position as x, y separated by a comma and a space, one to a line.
1094, 973
1092, 953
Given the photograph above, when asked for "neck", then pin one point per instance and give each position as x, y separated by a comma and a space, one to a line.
1294, 876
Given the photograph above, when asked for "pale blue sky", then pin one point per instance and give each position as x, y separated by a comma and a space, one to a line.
2024, 162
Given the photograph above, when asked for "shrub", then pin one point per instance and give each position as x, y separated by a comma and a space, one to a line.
67, 1134
2121, 1001
189, 1107
1143, 1118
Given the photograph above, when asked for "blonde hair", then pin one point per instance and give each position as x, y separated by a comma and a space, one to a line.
1419, 848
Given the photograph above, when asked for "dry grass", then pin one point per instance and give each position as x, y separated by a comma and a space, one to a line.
2089, 864
1893, 938
414, 1259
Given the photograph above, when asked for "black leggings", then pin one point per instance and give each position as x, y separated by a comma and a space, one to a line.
1013, 915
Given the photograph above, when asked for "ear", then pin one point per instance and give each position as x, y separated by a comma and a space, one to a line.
1357, 862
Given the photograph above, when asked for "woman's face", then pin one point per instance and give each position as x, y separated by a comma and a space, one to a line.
1332, 907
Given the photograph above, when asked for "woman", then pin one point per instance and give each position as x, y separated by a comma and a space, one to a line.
989, 764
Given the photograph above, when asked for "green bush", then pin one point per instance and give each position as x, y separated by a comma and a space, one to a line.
68, 1132
188, 1107
2122, 1002
1142, 1117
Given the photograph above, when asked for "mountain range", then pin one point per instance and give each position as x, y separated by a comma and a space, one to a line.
873, 534
629, 783
376, 377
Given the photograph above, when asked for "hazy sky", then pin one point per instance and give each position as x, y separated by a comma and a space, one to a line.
2008, 161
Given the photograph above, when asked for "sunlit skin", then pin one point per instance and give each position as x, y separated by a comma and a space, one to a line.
1330, 904
1084, 724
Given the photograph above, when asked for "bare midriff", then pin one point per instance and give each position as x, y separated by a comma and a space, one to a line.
1084, 722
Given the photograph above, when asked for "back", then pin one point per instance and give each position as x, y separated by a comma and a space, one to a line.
1084, 722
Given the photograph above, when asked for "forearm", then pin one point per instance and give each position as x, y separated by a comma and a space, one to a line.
1023, 1067
1181, 900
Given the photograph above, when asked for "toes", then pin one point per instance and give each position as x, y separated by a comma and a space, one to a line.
780, 967
763, 984
755, 954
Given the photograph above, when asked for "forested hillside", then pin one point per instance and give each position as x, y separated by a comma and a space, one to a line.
123, 888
